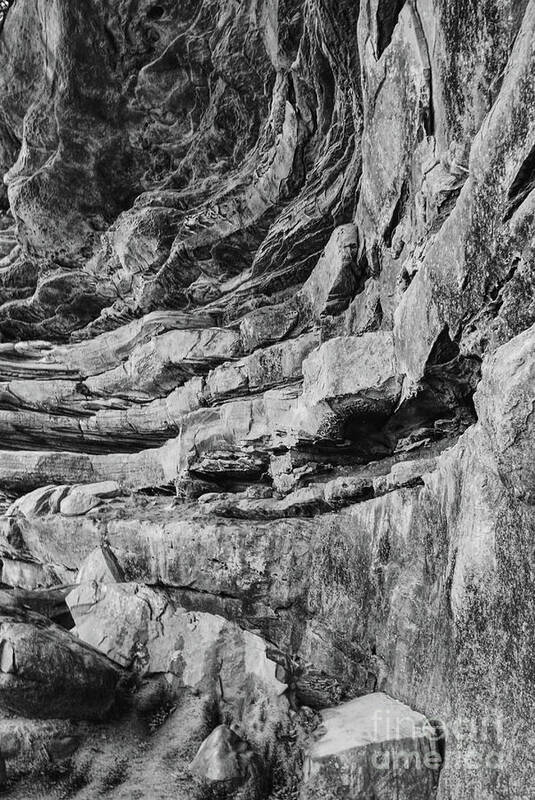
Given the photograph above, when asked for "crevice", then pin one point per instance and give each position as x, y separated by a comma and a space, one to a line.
523, 184
155, 12
191, 589
167, 490
386, 18
443, 350
439, 739
397, 214
114, 48
427, 110
447, 205
50, 602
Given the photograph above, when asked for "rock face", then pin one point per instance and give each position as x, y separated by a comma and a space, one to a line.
267, 356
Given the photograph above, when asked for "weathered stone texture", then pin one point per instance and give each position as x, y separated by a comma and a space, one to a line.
267, 348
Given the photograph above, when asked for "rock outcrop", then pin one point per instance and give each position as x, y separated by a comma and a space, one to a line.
267, 370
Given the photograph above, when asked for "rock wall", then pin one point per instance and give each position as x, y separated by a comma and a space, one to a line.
267, 379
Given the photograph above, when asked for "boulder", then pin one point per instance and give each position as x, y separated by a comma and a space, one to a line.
47, 672
135, 624
223, 756
151, 631
373, 746
33, 503
70, 500
123, 620
350, 377
81, 499
79, 502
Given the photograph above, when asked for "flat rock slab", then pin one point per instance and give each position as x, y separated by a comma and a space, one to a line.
373, 748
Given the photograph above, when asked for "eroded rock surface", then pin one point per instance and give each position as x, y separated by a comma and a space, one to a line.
267, 356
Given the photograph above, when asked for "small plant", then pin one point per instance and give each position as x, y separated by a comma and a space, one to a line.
248, 792
211, 790
116, 775
183, 752
160, 715
78, 777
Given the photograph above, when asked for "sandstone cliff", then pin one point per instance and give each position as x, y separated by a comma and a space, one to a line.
267, 381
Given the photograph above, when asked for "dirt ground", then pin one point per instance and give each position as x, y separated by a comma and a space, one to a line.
133, 759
